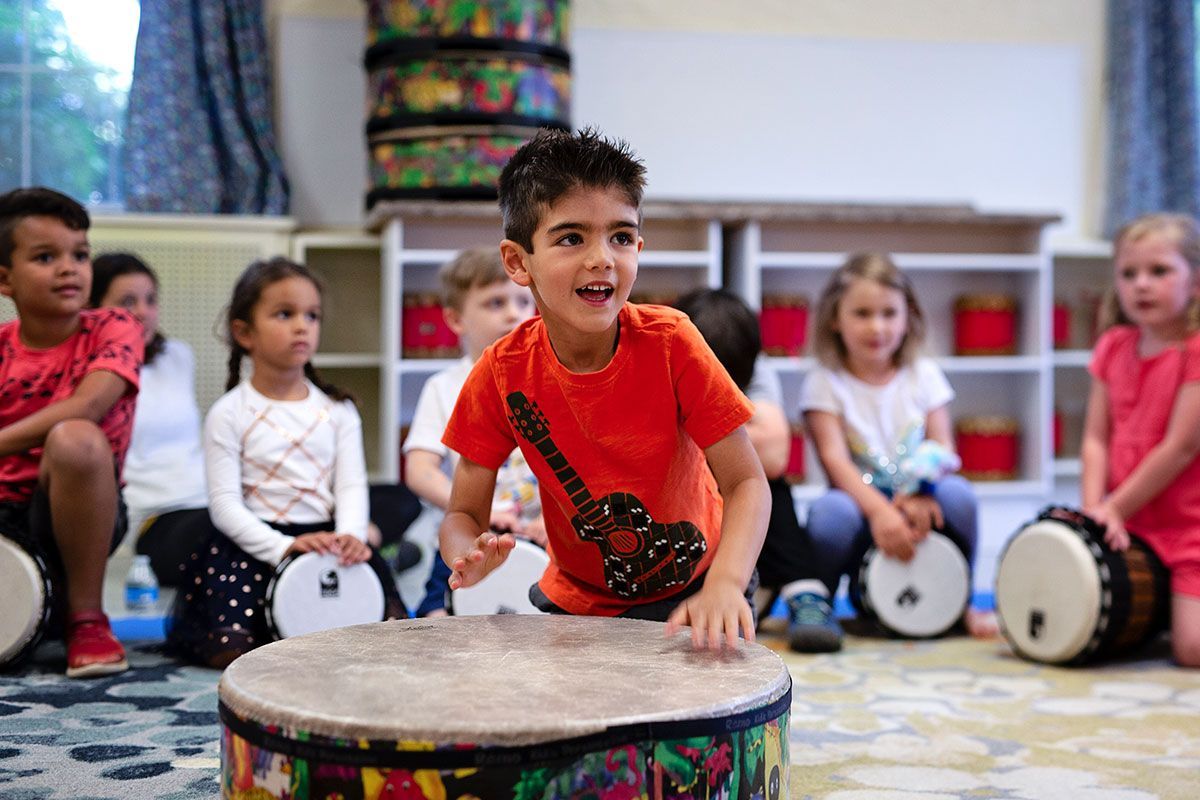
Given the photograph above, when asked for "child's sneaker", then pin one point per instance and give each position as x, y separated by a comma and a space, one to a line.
92, 649
811, 626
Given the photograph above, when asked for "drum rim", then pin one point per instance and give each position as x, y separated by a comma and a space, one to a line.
269, 598
251, 690
863, 582
1102, 614
523, 546
36, 628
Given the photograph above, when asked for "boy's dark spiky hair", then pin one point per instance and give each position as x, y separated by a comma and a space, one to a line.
553, 163
36, 201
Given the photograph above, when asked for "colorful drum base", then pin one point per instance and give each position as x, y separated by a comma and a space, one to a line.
538, 21
575, 707
448, 84
441, 165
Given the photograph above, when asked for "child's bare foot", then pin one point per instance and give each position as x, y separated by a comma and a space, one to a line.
982, 624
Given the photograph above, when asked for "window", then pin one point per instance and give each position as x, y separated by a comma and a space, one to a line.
65, 68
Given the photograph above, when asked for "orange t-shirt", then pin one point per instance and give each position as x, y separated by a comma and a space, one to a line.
632, 511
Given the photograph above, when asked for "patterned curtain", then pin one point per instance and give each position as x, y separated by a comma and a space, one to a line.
1154, 163
199, 137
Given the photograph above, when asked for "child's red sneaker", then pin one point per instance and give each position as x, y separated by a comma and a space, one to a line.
92, 649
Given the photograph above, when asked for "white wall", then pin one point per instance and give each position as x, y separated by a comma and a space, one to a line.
998, 104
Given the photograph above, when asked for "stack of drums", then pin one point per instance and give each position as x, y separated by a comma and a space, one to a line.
503, 706
455, 88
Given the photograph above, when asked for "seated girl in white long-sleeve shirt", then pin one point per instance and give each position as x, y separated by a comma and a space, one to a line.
286, 474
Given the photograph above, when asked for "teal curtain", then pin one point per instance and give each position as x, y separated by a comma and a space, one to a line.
199, 136
1154, 163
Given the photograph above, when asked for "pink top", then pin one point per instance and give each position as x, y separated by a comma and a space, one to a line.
1141, 395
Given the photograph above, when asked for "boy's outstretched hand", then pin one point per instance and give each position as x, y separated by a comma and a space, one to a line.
715, 613
489, 552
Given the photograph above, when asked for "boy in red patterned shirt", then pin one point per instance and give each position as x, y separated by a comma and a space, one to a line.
68, 380
620, 410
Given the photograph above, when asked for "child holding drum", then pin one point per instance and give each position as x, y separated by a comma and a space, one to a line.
654, 501
868, 405
481, 305
285, 468
68, 381
1142, 429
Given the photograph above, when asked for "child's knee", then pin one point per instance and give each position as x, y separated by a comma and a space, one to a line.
1185, 648
76, 444
1185, 630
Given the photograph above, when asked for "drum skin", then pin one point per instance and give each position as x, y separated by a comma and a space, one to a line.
572, 705
27, 601
920, 598
506, 589
311, 592
1064, 597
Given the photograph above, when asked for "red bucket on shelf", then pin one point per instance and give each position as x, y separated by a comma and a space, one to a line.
795, 464
783, 324
985, 325
989, 447
1058, 432
425, 333
1062, 325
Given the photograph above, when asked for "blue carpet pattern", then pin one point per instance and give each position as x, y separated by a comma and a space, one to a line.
150, 732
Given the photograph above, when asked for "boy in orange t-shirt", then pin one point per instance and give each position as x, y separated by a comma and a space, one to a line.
620, 410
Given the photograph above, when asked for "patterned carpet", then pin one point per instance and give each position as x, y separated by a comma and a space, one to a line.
884, 720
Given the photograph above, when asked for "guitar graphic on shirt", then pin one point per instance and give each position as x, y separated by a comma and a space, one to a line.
641, 557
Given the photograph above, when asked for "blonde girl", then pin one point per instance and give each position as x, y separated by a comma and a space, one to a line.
284, 461
867, 405
1141, 437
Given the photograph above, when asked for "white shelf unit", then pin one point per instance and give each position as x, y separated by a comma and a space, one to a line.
1082, 272
683, 252
947, 252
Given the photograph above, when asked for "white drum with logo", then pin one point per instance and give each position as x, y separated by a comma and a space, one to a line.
27, 601
506, 589
312, 592
921, 597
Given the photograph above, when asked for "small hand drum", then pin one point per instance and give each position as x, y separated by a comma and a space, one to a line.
312, 592
506, 589
920, 598
27, 601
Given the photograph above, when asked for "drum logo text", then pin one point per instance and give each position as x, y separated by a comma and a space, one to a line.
329, 583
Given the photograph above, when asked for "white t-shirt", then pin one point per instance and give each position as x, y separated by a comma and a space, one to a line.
516, 486
883, 424
164, 468
283, 461
764, 386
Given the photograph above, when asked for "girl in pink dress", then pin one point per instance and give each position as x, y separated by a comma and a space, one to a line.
1141, 440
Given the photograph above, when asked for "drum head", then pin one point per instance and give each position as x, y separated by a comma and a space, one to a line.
312, 592
1048, 592
923, 597
25, 604
506, 590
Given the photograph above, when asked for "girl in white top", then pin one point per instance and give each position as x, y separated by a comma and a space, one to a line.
867, 406
284, 460
164, 488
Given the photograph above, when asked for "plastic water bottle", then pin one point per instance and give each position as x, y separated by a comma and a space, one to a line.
141, 587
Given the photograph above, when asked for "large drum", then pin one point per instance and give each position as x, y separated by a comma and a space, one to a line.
1064, 597
506, 589
918, 598
27, 601
503, 707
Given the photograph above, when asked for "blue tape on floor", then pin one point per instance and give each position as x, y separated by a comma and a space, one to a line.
132, 629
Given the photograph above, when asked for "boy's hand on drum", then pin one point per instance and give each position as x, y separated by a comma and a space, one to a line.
922, 512
892, 533
350, 549
1115, 535
489, 552
716, 613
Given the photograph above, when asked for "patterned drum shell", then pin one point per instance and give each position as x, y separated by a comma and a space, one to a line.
543, 22
561, 707
1064, 597
459, 163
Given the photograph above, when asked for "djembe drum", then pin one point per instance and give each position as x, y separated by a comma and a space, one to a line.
505, 590
312, 592
1064, 597
503, 707
27, 604
918, 598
